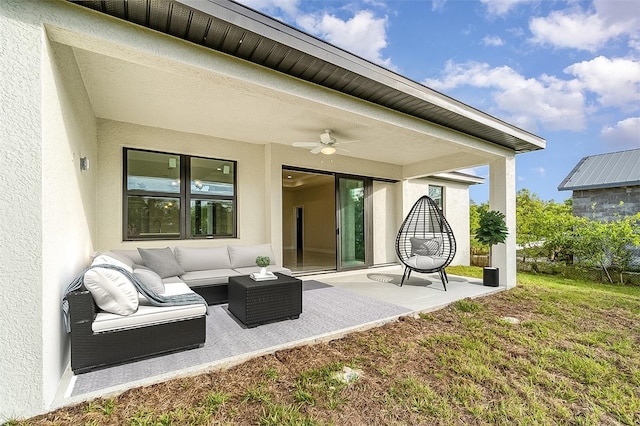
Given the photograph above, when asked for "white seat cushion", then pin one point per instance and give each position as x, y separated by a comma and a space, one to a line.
210, 277
148, 314
425, 262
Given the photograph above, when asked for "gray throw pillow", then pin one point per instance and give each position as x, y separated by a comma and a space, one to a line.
150, 279
161, 261
424, 246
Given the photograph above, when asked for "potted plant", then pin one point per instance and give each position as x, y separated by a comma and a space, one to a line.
492, 230
263, 262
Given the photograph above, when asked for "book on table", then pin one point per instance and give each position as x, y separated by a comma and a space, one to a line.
256, 276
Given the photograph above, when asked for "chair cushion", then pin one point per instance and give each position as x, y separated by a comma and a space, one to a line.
424, 246
242, 256
134, 255
425, 262
162, 261
202, 258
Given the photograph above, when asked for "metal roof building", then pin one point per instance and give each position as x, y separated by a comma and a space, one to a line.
611, 170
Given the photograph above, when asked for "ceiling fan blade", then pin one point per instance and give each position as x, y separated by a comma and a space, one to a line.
317, 149
345, 142
306, 144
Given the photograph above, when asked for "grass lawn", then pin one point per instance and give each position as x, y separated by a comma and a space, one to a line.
573, 358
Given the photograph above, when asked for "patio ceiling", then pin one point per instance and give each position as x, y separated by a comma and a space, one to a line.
212, 104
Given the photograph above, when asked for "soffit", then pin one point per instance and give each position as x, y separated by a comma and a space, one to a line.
228, 27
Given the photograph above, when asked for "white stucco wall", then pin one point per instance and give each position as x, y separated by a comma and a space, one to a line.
456, 210
21, 356
68, 198
387, 218
113, 136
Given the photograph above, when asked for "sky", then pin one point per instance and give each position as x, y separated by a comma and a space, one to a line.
568, 71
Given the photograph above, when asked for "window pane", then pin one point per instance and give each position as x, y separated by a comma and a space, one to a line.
153, 217
212, 177
211, 218
153, 172
435, 193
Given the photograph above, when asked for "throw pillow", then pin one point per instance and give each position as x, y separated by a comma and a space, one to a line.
161, 261
424, 246
150, 279
110, 259
112, 291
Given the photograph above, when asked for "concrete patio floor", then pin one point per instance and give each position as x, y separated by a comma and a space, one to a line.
422, 293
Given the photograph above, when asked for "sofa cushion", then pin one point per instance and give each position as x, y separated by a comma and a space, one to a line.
110, 258
150, 279
253, 269
112, 291
202, 258
172, 280
243, 256
148, 314
162, 261
210, 277
134, 255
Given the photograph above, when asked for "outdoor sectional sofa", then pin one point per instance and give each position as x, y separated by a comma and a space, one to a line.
133, 329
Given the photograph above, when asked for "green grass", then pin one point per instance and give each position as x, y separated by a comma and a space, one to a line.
572, 359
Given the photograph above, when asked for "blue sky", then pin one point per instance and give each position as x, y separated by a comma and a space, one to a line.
568, 71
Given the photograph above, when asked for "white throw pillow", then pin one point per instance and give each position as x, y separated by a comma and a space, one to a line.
111, 260
112, 291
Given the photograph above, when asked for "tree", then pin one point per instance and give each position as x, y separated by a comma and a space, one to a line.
492, 229
474, 222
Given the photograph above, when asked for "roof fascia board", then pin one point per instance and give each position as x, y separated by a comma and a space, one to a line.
282, 33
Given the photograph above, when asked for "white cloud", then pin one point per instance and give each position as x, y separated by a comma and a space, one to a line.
437, 4
501, 7
492, 41
578, 29
272, 7
364, 34
624, 135
540, 171
615, 81
528, 102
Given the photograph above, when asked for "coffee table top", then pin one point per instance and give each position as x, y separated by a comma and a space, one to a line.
247, 281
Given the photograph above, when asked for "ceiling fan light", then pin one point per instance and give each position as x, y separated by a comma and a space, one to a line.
328, 150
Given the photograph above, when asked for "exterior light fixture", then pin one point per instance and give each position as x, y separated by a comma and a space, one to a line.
84, 164
328, 150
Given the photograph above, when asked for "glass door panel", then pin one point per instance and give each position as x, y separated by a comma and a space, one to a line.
351, 216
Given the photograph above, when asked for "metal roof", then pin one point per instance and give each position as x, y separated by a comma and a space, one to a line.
610, 170
234, 29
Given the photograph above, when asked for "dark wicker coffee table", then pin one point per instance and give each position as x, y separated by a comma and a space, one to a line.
259, 302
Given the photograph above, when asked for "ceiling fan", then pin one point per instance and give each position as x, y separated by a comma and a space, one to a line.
326, 145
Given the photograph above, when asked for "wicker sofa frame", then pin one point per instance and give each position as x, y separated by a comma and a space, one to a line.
91, 350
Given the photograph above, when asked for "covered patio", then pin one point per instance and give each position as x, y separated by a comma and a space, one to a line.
215, 81
333, 305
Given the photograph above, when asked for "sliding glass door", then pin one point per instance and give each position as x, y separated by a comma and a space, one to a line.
352, 218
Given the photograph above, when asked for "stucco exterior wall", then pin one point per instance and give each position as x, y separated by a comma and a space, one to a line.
607, 204
456, 210
68, 198
21, 356
113, 136
387, 210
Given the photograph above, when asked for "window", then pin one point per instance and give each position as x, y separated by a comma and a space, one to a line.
436, 193
173, 196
